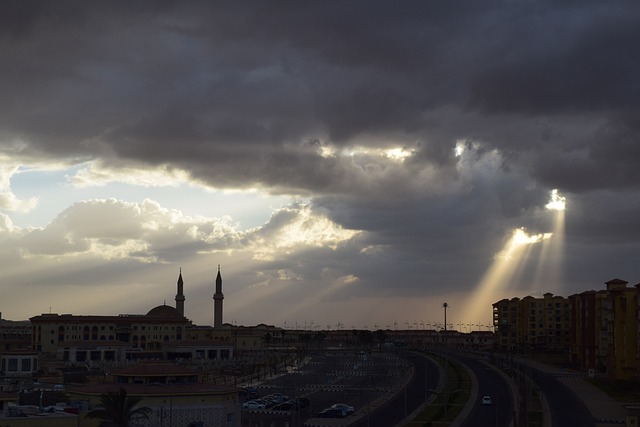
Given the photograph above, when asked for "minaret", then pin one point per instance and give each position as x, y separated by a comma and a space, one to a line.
180, 295
217, 301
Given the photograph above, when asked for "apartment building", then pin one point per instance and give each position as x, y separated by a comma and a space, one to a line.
532, 324
589, 331
605, 327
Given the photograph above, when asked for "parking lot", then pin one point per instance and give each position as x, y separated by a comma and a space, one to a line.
356, 379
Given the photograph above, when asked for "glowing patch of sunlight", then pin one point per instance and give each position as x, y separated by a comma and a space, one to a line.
521, 237
348, 279
393, 153
557, 202
310, 229
94, 173
461, 145
518, 239
326, 151
398, 154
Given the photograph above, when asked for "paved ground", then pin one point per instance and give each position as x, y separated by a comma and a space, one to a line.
606, 411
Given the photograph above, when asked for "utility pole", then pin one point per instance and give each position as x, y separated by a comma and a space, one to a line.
445, 305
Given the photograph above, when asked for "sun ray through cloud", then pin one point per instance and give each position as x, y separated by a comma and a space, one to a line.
509, 264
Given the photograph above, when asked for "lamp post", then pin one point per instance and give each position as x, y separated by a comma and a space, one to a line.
445, 305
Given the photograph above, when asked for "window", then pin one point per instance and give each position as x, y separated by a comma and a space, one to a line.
26, 365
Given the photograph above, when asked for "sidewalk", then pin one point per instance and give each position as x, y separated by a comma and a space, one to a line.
604, 409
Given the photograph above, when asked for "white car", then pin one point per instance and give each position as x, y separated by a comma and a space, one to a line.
346, 409
252, 404
486, 400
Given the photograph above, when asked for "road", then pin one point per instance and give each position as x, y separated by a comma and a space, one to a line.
565, 407
426, 377
355, 378
490, 383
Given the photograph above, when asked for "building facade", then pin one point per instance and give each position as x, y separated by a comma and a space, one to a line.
51, 332
532, 324
174, 394
606, 328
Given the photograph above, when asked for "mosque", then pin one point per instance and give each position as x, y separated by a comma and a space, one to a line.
163, 333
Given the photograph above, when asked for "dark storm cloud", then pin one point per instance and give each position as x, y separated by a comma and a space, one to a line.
255, 73
246, 94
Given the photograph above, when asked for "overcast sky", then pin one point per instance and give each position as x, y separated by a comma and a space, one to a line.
356, 163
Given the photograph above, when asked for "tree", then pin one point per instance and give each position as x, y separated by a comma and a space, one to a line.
118, 410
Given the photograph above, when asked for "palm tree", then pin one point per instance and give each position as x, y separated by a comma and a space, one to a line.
118, 410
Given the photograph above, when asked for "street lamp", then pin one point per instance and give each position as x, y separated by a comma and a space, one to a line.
445, 305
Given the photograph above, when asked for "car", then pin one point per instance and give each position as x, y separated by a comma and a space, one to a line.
279, 397
285, 406
252, 404
486, 400
331, 413
269, 400
346, 409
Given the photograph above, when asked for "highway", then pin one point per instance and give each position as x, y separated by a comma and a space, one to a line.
373, 385
565, 407
490, 383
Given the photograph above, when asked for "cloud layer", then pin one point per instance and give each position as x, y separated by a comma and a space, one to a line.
416, 138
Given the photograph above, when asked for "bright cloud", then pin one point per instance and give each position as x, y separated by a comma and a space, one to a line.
96, 173
8, 200
557, 202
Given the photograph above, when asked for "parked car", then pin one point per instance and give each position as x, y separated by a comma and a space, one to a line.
252, 404
486, 400
279, 397
285, 406
331, 413
269, 400
346, 409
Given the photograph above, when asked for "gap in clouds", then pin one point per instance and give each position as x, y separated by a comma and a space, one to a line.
54, 192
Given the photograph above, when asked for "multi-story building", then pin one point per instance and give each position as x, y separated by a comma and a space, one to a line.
14, 335
17, 359
163, 333
589, 332
621, 316
532, 324
142, 333
605, 330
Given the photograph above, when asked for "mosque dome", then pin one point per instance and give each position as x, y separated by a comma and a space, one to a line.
165, 311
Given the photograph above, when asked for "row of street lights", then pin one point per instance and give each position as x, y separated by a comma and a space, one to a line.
415, 325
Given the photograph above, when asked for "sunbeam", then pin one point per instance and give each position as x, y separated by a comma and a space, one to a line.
509, 264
